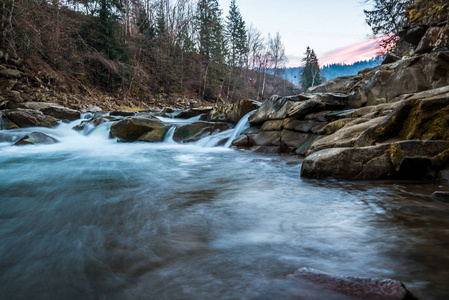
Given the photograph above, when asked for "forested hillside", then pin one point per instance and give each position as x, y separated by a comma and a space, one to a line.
138, 52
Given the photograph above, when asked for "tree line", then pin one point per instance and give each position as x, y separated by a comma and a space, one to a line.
173, 46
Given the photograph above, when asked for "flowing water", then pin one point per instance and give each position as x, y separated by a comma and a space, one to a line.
90, 218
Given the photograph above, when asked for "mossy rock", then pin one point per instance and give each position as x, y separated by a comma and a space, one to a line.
131, 129
154, 136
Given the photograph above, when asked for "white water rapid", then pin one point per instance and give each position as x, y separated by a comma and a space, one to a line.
91, 218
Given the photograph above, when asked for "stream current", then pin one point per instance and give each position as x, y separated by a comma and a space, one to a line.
90, 218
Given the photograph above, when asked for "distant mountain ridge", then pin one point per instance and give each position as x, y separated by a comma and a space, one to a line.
333, 70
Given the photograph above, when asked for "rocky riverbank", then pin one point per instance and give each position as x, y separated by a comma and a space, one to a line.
390, 122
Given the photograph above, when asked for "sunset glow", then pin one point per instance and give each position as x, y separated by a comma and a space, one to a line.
356, 52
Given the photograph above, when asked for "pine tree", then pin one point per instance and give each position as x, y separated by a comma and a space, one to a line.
310, 75
211, 47
161, 27
210, 28
106, 38
236, 35
386, 19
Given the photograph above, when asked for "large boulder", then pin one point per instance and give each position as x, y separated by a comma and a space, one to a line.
407, 76
300, 143
54, 110
336, 85
275, 108
312, 284
305, 126
198, 130
23, 118
234, 112
36, 138
400, 160
415, 34
412, 119
347, 136
429, 40
422, 119
132, 129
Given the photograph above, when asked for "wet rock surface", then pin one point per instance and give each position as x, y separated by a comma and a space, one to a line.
132, 129
441, 196
401, 160
87, 126
198, 130
311, 284
36, 138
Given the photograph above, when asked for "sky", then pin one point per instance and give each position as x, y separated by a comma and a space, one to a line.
334, 29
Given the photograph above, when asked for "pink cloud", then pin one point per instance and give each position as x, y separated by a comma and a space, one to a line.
356, 52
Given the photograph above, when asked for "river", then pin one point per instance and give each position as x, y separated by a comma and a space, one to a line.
90, 218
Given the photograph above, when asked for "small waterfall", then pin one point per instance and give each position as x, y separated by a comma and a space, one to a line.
194, 119
228, 135
242, 125
87, 116
214, 140
2, 122
169, 136
179, 121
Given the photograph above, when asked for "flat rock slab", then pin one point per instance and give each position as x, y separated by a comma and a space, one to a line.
54, 110
413, 160
311, 284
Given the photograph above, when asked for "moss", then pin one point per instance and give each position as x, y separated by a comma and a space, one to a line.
396, 156
433, 127
441, 161
424, 11
127, 108
410, 124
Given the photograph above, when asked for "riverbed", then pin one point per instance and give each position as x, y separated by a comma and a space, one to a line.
91, 218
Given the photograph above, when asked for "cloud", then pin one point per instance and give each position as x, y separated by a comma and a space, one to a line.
356, 52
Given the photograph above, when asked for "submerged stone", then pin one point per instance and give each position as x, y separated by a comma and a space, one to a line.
36, 138
312, 284
441, 196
